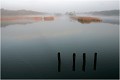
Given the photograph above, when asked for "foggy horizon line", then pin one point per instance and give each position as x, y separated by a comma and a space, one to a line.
58, 12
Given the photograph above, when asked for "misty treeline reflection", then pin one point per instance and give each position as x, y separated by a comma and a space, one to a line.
11, 20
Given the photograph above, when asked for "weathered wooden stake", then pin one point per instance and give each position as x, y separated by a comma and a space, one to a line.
84, 62
95, 61
59, 62
74, 55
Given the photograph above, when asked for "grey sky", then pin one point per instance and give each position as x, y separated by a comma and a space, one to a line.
60, 5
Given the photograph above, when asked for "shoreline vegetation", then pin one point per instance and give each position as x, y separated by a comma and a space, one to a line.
10, 20
5, 12
27, 16
86, 19
36, 18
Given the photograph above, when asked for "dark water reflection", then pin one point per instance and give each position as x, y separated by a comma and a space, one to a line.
31, 51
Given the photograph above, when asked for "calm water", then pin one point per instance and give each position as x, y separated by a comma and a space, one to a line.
30, 50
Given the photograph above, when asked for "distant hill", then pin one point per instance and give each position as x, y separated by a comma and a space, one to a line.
20, 12
105, 13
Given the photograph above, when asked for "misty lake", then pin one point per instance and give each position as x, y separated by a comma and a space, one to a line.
29, 49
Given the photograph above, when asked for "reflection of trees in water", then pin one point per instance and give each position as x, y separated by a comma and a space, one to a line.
6, 21
88, 20
115, 22
4, 24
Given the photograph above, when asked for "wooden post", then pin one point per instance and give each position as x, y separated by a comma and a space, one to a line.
59, 62
74, 55
95, 61
84, 62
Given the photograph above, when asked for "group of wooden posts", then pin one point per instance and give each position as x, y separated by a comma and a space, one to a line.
74, 57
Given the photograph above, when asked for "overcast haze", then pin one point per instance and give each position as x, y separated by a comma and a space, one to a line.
61, 5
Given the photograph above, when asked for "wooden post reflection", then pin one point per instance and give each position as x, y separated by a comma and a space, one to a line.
95, 61
84, 62
59, 62
74, 55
